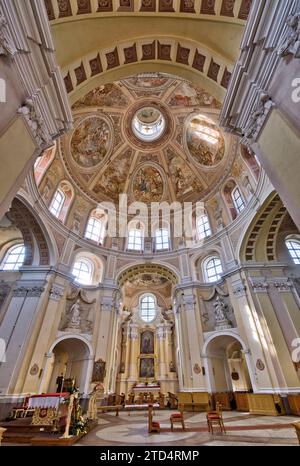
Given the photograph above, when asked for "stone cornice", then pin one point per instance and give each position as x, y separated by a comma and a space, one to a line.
242, 220
29, 289
46, 108
272, 31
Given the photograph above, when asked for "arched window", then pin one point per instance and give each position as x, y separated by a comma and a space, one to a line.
57, 203
251, 160
95, 230
148, 308
83, 271
213, 269
162, 239
62, 200
294, 250
14, 258
203, 227
238, 200
43, 163
135, 239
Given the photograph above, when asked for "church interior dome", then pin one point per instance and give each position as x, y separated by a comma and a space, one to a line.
155, 138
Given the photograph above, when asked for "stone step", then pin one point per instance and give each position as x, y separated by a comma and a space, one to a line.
17, 438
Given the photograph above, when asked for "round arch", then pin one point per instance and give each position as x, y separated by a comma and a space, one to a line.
165, 269
34, 232
227, 335
73, 356
214, 250
126, 70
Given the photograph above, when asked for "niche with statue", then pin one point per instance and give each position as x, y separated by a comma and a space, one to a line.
79, 314
217, 312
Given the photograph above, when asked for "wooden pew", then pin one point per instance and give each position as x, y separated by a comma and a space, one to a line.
104, 409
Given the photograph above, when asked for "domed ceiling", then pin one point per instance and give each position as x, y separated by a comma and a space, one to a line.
153, 137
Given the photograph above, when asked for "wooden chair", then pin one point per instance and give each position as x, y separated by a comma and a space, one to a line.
161, 400
152, 425
130, 400
151, 399
297, 427
178, 417
215, 417
172, 401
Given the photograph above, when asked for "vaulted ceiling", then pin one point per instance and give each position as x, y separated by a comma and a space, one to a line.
101, 41
188, 162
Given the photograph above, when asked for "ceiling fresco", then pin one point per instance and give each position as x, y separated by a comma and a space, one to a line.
187, 160
91, 141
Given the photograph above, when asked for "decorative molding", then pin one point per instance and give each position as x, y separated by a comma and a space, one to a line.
235, 11
260, 285
257, 65
20, 292
35, 292
56, 292
258, 117
7, 46
36, 123
189, 303
25, 35
290, 44
283, 285
28, 291
239, 290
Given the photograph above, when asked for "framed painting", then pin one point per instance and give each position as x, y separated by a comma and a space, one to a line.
99, 371
147, 342
147, 368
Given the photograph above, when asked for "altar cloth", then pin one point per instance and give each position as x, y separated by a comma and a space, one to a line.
47, 400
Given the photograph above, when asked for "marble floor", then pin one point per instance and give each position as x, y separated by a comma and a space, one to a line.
242, 429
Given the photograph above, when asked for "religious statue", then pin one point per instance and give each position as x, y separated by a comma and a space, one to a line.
172, 367
7, 46
220, 309
291, 42
75, 312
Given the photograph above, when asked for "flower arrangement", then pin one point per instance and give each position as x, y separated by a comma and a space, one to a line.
79, 423
79, 426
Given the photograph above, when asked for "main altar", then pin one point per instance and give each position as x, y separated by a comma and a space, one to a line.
146, 388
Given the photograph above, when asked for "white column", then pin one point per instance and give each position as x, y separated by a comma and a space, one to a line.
15, 329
